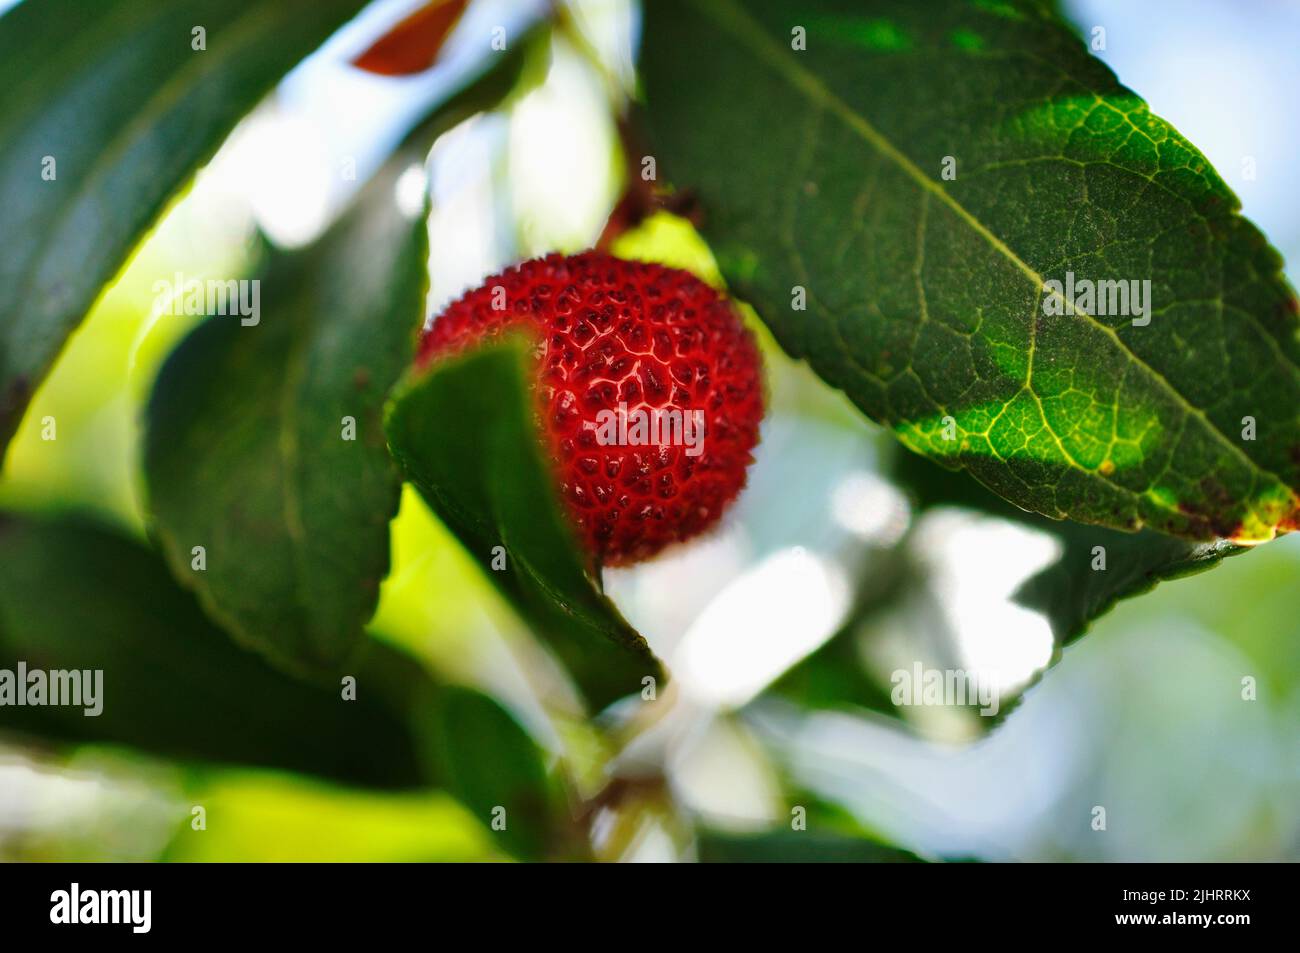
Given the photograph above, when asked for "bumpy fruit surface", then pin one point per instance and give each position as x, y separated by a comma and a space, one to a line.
626, 338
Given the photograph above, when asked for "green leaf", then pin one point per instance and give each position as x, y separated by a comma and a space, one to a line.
799, 847
76, 595
465, 436
1069, 592
835, 675
245, 451
115, 95
268, 818
458, 727
926, 296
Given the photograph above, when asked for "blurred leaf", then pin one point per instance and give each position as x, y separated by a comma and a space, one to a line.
246, 452
412, 46
254, 818
74, 595
1250, 603
459, 728
126, 109
797, 847
463, 432
835, 675
1069, 592
926, 293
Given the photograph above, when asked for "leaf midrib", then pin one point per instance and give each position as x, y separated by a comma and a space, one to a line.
733, 18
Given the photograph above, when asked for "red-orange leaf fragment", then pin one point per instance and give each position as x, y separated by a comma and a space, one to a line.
413, 45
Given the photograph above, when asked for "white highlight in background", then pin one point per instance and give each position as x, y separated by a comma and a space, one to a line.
977, 564
756, 628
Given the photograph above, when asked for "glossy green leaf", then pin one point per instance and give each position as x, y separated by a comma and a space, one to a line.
107, 109
465, 436
927, 295
75, 595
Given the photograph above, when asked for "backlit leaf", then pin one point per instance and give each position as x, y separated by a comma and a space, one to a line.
927, 295
108, 107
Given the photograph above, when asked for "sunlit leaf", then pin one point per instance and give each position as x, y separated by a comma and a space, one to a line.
268, 819
924, 170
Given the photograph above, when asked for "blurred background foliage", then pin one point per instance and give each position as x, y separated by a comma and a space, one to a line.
781, 628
